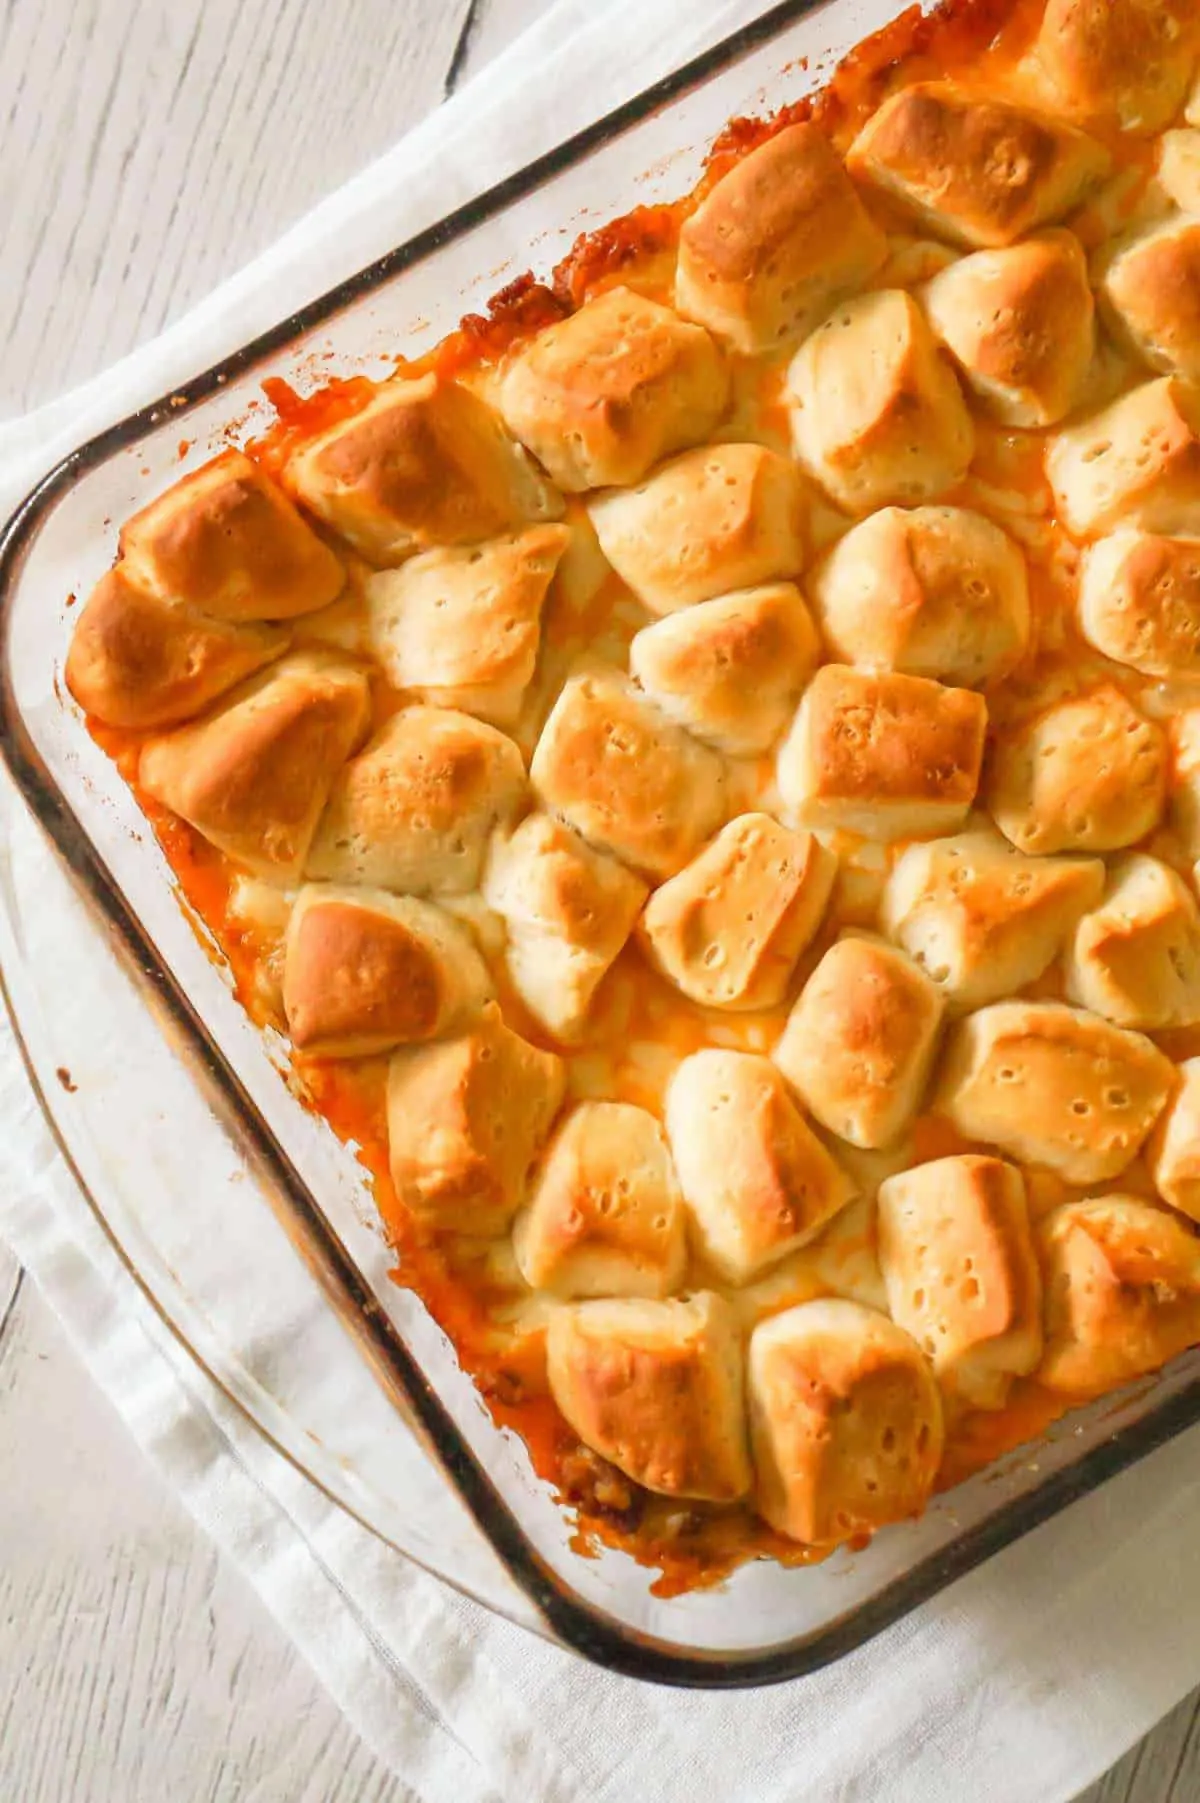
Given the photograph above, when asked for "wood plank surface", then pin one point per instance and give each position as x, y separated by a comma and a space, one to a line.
147, 149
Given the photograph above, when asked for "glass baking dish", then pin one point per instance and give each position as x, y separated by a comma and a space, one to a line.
170, 1106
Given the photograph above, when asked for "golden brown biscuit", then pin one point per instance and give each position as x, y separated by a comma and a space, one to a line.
1086, 774
877, 413
930, 591
625, 777
365, 971
605, 1217
425, 463
1055, 1086
858, 1045
977, 171
1178, 172
228, 542
724, 517
730, 670
602, 395
253, 775
1135, 463
887, 756
1122, 1282
460, 627
466, 1118
961, 1273
140, 662
1184, 783
1173, 1149
1139, 602
657, 1389
1019, 323
775, 242
1135, 957
981, 919
757, 1181
1151, 292
845, 1421
413, 811
1119, 62
728, 929
567, 909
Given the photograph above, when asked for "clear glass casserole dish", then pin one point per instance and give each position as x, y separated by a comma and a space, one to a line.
185, 1083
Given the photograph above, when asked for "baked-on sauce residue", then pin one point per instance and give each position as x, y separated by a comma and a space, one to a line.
645, 1026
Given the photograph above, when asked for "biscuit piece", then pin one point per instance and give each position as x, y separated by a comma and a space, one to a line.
975, 171
568, 911
605, 1217
878, 415
425, 463
253, 776
1173, 1149
413, 811
1119, 62
601, 396
1135, 463
1122, 1283
460, 627
1135, 958
981, 919
723, 517
887, 756
656, 1388
930, 591
228, 542
1184, 810
775, 242
1178, 172
730, 670
625, 777
859, 1043
1086, 774
757, 1181
139, 662
1139, 602
1019, 324
961, 1273
727, 931
466, 1118
845, 1421
365, 971
1055, 1086
1151, 291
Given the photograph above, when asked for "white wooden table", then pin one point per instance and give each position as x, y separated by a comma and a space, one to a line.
148, 148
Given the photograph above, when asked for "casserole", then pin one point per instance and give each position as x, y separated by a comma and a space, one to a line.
708, 1644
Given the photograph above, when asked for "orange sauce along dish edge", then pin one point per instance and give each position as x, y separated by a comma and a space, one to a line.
704, 766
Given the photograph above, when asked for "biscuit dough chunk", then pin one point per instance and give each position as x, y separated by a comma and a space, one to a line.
1087, 773
981, 919
883, 755
628, 780
877, 413
1135, 463
605, 1216
1119, 62
775, 242
1135, 956
466, 1117
728, 929
962, 1277
1055, 1086
845, 1421
1139, 602
1151, 292
757, 1181
567, 909
1122, 1282
657, 1388
1173, 1149
601, 396
859, 1044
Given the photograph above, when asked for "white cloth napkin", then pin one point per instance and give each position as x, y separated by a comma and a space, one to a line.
1020, 1684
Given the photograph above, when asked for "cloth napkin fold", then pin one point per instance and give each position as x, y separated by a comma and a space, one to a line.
1020, 1684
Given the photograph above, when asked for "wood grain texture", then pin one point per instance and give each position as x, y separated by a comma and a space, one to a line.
147, 149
